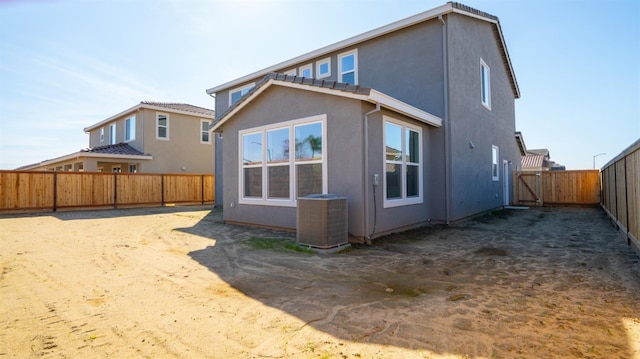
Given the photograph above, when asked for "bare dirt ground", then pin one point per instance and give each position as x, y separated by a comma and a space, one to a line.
176, 282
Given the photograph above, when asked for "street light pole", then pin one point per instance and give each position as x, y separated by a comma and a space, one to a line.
594, 159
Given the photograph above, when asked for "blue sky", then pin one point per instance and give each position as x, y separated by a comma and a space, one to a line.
65, 65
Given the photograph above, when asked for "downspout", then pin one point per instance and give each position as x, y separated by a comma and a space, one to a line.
447, 126
365, 177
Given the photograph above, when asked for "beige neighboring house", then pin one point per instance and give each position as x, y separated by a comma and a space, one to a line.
150, 137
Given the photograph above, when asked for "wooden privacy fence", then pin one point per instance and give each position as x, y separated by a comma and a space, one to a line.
36, 191
621, 192
556, 188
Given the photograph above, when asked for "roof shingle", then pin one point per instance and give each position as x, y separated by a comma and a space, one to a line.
180, 107
117, 149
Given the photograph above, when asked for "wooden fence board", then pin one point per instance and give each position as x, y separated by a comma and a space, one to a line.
633, 192
19, 190
557, 188
79, 189
139, 189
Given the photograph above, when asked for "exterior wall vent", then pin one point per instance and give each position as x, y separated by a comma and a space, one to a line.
322, 223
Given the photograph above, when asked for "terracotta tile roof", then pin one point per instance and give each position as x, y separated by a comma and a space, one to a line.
328, 84
180, 107
532, 161
117, 149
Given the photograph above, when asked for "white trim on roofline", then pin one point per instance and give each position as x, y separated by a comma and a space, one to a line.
394, 26
144, 106
374, 96
80, 154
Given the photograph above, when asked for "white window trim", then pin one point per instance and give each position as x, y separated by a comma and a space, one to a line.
353, 52
158, 114
404, 201
320, 62
112, 134
133, 138
292, 200
495, 178
292, 72
201, 131
306, 67
483, 66
247, 87
101, 134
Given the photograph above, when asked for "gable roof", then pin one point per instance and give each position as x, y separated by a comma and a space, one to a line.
117, 149
173, 107
450, 7
327, 87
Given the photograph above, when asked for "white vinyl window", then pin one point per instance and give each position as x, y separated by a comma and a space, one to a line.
162, 126
403, 163
282, 162
102, 134
495, 155
348, 67
130, 129
133, 168
291, 72
236, 94
112, 134
204, 131
306, 71
485, 80
323, 68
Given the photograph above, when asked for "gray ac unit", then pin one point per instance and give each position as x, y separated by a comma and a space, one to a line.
322, 223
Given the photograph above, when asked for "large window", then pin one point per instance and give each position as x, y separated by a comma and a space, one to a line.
130, 129
204, 131
495, 175
348, 67
402, 163
162, 126
236, 94
112, 134
282, 162
485, 79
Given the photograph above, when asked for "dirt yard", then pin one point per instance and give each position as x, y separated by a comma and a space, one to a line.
176, 282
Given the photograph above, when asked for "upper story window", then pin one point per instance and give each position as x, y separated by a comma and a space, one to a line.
236, 94
284, 161
204, 131
306, 71
485, 80
130, 129
495, 175
348, 67
403, 163
323, 68
102, 134
112, 134
291, 72
162, 126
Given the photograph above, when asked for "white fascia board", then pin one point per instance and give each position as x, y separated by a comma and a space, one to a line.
401, 24
145, 106
404, 108
78, 155
253, 95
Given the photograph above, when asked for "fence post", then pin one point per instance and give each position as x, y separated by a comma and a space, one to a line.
55, 191
162, 190
115, 189
201, 189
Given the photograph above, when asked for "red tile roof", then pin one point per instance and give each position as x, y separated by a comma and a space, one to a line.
532, 161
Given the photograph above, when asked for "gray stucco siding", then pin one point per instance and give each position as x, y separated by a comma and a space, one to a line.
474, 128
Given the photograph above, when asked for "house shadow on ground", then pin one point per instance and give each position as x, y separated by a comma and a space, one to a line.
538, 283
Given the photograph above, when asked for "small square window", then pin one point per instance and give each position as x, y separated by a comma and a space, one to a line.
306, 71
236, 94
348, 67
323, 68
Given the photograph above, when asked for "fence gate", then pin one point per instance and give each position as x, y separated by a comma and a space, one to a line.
528, 188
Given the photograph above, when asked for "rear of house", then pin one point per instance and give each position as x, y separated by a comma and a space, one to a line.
414, 122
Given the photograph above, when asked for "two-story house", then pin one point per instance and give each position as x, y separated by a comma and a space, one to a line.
150, 137
413, 122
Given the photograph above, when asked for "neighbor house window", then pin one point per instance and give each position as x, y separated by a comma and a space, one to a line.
162, 126
348, 67
236, 94
130, 129
402, 163
495, 175
133, 168
282, 162
204, 131
323, 68
485, 77
102, 134
306, 71
112, 134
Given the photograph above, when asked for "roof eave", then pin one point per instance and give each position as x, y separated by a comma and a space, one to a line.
81, 154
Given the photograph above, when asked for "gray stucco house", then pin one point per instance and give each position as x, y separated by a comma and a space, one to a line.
413, 122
